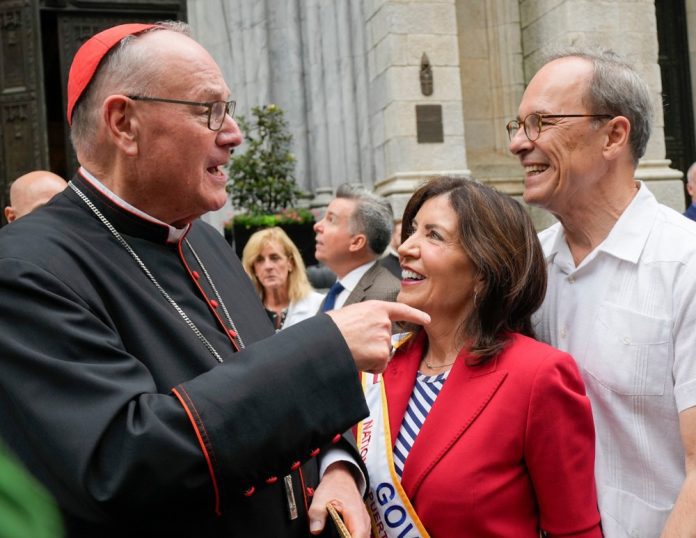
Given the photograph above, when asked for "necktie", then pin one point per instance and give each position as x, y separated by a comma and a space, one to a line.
330, 300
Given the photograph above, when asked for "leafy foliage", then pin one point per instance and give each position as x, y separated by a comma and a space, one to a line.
261, 180
285, 218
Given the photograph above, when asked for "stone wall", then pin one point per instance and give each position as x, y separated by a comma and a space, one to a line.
399, 33
347, 73
691, 29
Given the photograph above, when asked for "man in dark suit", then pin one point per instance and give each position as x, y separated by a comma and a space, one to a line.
350, 238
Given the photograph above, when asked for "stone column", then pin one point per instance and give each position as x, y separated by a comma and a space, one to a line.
398, 34
691, 31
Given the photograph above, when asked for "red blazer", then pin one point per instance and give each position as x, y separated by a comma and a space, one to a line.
507, 448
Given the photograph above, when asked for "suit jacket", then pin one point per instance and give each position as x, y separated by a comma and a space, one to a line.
507, 447
391, 261
377, 283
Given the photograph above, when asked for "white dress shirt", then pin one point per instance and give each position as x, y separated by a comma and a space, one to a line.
627, 314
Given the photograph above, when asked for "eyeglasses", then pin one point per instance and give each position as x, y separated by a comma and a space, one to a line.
534, 122
217, 110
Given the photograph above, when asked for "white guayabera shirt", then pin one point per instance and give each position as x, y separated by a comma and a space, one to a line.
627, 314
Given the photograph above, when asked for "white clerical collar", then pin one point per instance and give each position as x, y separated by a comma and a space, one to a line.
174, 234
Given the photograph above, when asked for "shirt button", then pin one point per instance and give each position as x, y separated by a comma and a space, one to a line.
571, 279
214, 303
626, 340
564, 333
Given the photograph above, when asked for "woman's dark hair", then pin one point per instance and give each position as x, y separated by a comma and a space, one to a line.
498, 236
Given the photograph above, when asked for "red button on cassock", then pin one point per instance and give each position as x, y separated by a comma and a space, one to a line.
214, 303
314, 453
196, 275
336, 438
250, 491
295, 466
271, 480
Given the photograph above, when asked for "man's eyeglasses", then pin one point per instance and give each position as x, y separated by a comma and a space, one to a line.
534, 122
217, 110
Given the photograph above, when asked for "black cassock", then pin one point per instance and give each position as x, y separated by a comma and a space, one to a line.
109, 397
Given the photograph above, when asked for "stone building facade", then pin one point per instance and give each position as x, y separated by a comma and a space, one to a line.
380, 92
349, 74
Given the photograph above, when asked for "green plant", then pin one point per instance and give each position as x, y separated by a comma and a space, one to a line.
261, 180
287, 217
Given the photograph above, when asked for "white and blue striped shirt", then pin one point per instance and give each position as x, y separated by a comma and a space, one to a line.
424, 393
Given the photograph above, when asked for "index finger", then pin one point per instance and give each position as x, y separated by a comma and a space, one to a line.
403, 312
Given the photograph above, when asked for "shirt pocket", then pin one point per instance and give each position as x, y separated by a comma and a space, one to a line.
624, 514
629, 352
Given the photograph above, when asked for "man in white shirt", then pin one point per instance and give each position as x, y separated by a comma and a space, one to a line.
622, 282
354, 232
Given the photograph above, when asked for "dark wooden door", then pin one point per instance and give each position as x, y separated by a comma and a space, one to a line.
22, 114
680, 139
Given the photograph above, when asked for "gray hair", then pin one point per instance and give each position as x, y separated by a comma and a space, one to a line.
124, 69
372, 216
691, 175
616, 88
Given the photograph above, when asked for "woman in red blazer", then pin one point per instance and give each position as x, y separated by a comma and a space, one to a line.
476, 429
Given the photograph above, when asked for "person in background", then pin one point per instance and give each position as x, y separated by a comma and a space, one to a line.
390, 259
354, 232
275, 266
142, 382
691, 189
320, 277
490, 431
622, 284
32, 190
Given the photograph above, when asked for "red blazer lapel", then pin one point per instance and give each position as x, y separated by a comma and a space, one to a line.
463, 398
400, 378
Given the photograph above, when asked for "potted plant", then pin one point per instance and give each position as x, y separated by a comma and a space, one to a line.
262, 184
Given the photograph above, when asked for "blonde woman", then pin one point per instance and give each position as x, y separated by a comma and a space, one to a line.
276, 268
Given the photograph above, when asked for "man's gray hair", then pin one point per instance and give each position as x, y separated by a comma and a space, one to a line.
126, 70
616, 88
691, 175
372, 216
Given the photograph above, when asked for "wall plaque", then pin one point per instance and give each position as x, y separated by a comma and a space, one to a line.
429, 124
